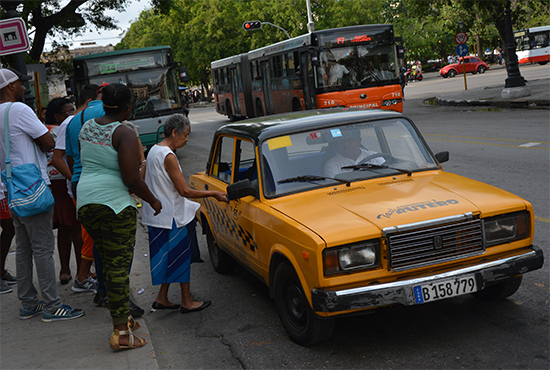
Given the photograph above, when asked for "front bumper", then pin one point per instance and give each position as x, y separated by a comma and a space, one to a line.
401, 292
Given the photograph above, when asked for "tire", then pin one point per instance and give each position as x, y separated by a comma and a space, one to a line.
296, 107
221, 261
474, 72
230, 114
542, 63
444, 76
451, 73
259, 109
500, 291
481, 69
419, 78
297, 317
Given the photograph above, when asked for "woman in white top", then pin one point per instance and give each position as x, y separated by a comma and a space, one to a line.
169, 239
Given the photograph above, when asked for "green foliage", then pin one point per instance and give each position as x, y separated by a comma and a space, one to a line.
200, 31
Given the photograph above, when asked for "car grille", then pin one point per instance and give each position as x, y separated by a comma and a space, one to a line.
437, 244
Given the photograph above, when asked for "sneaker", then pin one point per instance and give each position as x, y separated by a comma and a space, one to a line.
9, 278
62, 313
135, 310
5, 288
26, 313
85, 286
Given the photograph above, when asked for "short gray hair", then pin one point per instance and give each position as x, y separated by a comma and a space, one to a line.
176, 122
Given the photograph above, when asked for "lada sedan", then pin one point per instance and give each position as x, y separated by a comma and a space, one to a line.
342, 212
472, 64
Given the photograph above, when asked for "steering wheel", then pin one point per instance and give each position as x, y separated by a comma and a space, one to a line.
386, 156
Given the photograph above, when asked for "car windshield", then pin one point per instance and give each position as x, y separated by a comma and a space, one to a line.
307, 160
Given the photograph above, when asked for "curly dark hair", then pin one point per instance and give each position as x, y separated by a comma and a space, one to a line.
55, 107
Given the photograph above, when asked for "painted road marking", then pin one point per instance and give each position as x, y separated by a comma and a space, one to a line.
527, 145
542, 219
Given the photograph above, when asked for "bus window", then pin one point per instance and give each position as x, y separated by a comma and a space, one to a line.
290, 61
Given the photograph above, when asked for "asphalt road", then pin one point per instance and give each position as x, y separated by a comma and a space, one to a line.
506, 148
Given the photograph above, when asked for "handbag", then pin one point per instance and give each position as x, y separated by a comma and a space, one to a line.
28, 194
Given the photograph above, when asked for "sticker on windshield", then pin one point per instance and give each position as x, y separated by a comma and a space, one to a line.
336, 132
315, 135
279, 142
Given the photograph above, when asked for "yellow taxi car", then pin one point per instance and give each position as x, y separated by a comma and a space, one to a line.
341, 211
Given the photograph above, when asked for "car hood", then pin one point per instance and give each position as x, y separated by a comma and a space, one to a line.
345, 214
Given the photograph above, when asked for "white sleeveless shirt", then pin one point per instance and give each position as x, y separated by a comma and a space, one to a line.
174, 206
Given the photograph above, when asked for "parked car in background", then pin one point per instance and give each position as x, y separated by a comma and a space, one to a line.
332, 236
473, 65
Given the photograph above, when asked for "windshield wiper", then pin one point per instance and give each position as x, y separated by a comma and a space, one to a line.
370, 166
149, 108
307, 178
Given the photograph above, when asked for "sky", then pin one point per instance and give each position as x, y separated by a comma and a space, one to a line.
104, 37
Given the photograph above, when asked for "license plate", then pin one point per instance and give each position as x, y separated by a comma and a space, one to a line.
445, 289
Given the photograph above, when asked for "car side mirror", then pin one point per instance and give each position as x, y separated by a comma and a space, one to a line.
442, 157
241, 189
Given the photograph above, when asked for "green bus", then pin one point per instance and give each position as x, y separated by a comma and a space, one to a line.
152, 76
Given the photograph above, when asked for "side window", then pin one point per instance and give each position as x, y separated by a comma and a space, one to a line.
223, 159
246, 166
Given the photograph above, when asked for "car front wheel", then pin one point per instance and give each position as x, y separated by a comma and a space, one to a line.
499, 291
297, 317
452, 73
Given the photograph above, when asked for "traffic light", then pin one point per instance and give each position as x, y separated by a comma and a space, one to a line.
252, 25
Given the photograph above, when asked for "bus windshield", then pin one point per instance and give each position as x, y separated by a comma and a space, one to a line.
154, 90
356, 66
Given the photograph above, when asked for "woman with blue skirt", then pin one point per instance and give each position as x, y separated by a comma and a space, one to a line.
169, 238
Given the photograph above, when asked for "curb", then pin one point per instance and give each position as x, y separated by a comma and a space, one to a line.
516, 103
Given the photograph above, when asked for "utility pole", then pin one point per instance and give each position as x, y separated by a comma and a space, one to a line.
310, 24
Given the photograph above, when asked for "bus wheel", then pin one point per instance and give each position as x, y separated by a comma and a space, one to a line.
542, 63
296, 106
229, 111
259, 109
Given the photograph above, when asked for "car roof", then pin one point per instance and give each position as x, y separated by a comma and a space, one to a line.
261, 128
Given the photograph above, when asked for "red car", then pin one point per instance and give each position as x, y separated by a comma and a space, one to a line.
472, 64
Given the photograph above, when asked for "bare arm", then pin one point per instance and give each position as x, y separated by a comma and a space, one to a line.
59, 163
126, 144
173, 170
45, 142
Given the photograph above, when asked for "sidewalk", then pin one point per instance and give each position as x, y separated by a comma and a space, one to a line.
82, 343
491, 96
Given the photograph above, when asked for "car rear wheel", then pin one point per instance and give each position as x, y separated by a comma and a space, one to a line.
452, 73
297, 317
221, 261
481, 69
499, 291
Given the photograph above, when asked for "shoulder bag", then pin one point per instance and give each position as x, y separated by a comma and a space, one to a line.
28, 194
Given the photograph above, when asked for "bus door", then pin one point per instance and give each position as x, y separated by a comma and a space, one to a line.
235, 82
308, 82
266, 82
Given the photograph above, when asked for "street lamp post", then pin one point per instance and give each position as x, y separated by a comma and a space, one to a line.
18, 58
515, 83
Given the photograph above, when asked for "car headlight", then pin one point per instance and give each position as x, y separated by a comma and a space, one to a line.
350, 258
506, 228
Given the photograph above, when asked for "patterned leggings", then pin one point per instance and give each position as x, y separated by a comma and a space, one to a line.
114, 236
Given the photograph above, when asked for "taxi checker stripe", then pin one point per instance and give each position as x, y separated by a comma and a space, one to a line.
24, 201
224, 222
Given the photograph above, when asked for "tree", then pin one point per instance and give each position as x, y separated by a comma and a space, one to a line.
63, 22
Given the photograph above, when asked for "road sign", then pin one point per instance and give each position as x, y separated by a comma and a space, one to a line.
461, 38
462, 50
13, 36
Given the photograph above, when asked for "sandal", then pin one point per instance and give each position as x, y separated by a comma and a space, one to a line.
114, 342
65, 278
133, 324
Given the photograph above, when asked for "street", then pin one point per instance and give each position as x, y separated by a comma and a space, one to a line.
507, 148
242, 329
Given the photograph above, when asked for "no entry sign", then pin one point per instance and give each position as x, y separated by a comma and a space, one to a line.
461, 38
13, 36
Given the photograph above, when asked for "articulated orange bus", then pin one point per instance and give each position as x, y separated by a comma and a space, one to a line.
342, 67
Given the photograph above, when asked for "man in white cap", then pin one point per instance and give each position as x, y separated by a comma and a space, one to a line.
35, 239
